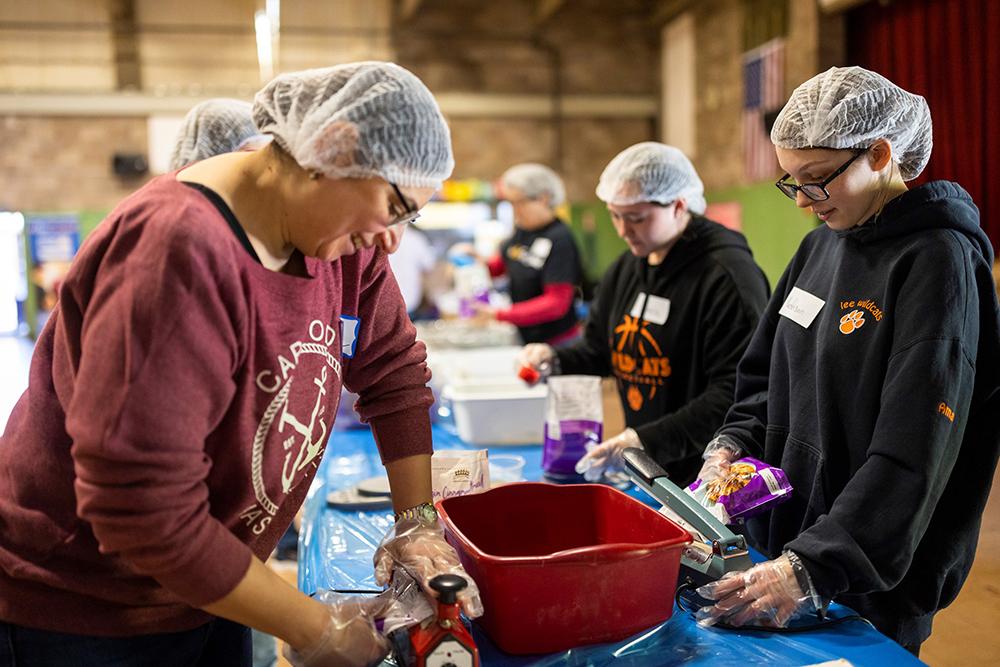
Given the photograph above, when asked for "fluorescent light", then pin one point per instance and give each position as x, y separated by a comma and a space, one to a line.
265, 53
274, 13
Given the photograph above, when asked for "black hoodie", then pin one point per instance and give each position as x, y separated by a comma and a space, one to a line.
883, 410
674, 355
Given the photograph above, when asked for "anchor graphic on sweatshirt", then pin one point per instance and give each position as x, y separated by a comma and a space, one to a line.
309, 448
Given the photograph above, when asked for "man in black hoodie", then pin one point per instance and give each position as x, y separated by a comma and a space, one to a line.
671, 317
873, 379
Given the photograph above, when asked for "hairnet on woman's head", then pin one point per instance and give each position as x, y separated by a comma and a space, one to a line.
360, 120
651, 172
535, 181
851, 107
211, 128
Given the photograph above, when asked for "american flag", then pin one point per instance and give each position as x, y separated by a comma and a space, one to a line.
763, 92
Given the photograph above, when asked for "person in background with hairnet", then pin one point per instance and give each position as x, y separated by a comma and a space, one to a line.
214, 127
873, 379
672, 315
183, 392
541, 259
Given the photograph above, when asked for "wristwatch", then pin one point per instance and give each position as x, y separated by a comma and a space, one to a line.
424, 513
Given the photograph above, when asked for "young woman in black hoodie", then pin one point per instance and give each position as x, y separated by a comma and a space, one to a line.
873, 379
672, 315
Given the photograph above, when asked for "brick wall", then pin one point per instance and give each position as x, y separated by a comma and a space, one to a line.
64, 163
469, 46
814, 42
718, 76
591, 47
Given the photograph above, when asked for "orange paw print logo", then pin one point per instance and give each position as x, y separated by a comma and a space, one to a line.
634, 398
852, 321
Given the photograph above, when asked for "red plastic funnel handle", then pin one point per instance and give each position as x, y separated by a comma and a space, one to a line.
528, 374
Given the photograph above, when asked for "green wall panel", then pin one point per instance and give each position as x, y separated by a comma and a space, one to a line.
772, 223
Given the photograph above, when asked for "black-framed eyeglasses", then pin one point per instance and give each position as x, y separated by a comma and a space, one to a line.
815, 191
409, 213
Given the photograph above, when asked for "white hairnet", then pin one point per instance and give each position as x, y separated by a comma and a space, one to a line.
851, 107
211, 128
651, 172
535, 181
359, 120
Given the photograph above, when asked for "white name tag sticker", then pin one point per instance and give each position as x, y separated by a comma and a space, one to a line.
801, 307
541, 247
657, 309
640, 301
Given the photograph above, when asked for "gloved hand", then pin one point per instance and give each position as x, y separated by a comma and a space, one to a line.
462, 249
606, 458
540, 356
350, 638
719, 455
419, 547
768, 594
484, 313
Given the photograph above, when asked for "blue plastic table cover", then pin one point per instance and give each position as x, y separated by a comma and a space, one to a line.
336, 549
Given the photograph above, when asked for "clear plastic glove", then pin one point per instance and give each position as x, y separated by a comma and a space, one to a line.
420, 549
768, 594
719, 455
484, 313
350, 638
462, 249
539, 356
606, 458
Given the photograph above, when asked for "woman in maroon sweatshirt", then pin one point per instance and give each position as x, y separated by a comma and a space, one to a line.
182, 394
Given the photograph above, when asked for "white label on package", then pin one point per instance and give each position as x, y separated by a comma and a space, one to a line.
772, 483
657, 309
801, 307
576, 397
459, 473
541, 247
640, 301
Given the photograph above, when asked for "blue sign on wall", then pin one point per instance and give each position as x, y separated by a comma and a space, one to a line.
53, 240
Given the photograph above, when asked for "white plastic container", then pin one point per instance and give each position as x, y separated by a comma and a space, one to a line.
489, 365
498, 414
506, 468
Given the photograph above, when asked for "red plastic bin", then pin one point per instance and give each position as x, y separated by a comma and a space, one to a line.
563, 565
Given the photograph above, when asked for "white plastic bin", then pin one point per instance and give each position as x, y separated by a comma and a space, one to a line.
498, 414
490, 365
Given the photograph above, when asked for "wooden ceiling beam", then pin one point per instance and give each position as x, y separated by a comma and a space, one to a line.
668, 10
125, 45
547, 9
408, 9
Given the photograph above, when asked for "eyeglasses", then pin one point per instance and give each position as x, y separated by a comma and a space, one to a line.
815, 191
409, 213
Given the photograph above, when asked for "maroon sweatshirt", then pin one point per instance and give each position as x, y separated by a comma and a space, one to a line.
180, 399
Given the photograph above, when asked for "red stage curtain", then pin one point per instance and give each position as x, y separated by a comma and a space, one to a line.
947, 51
